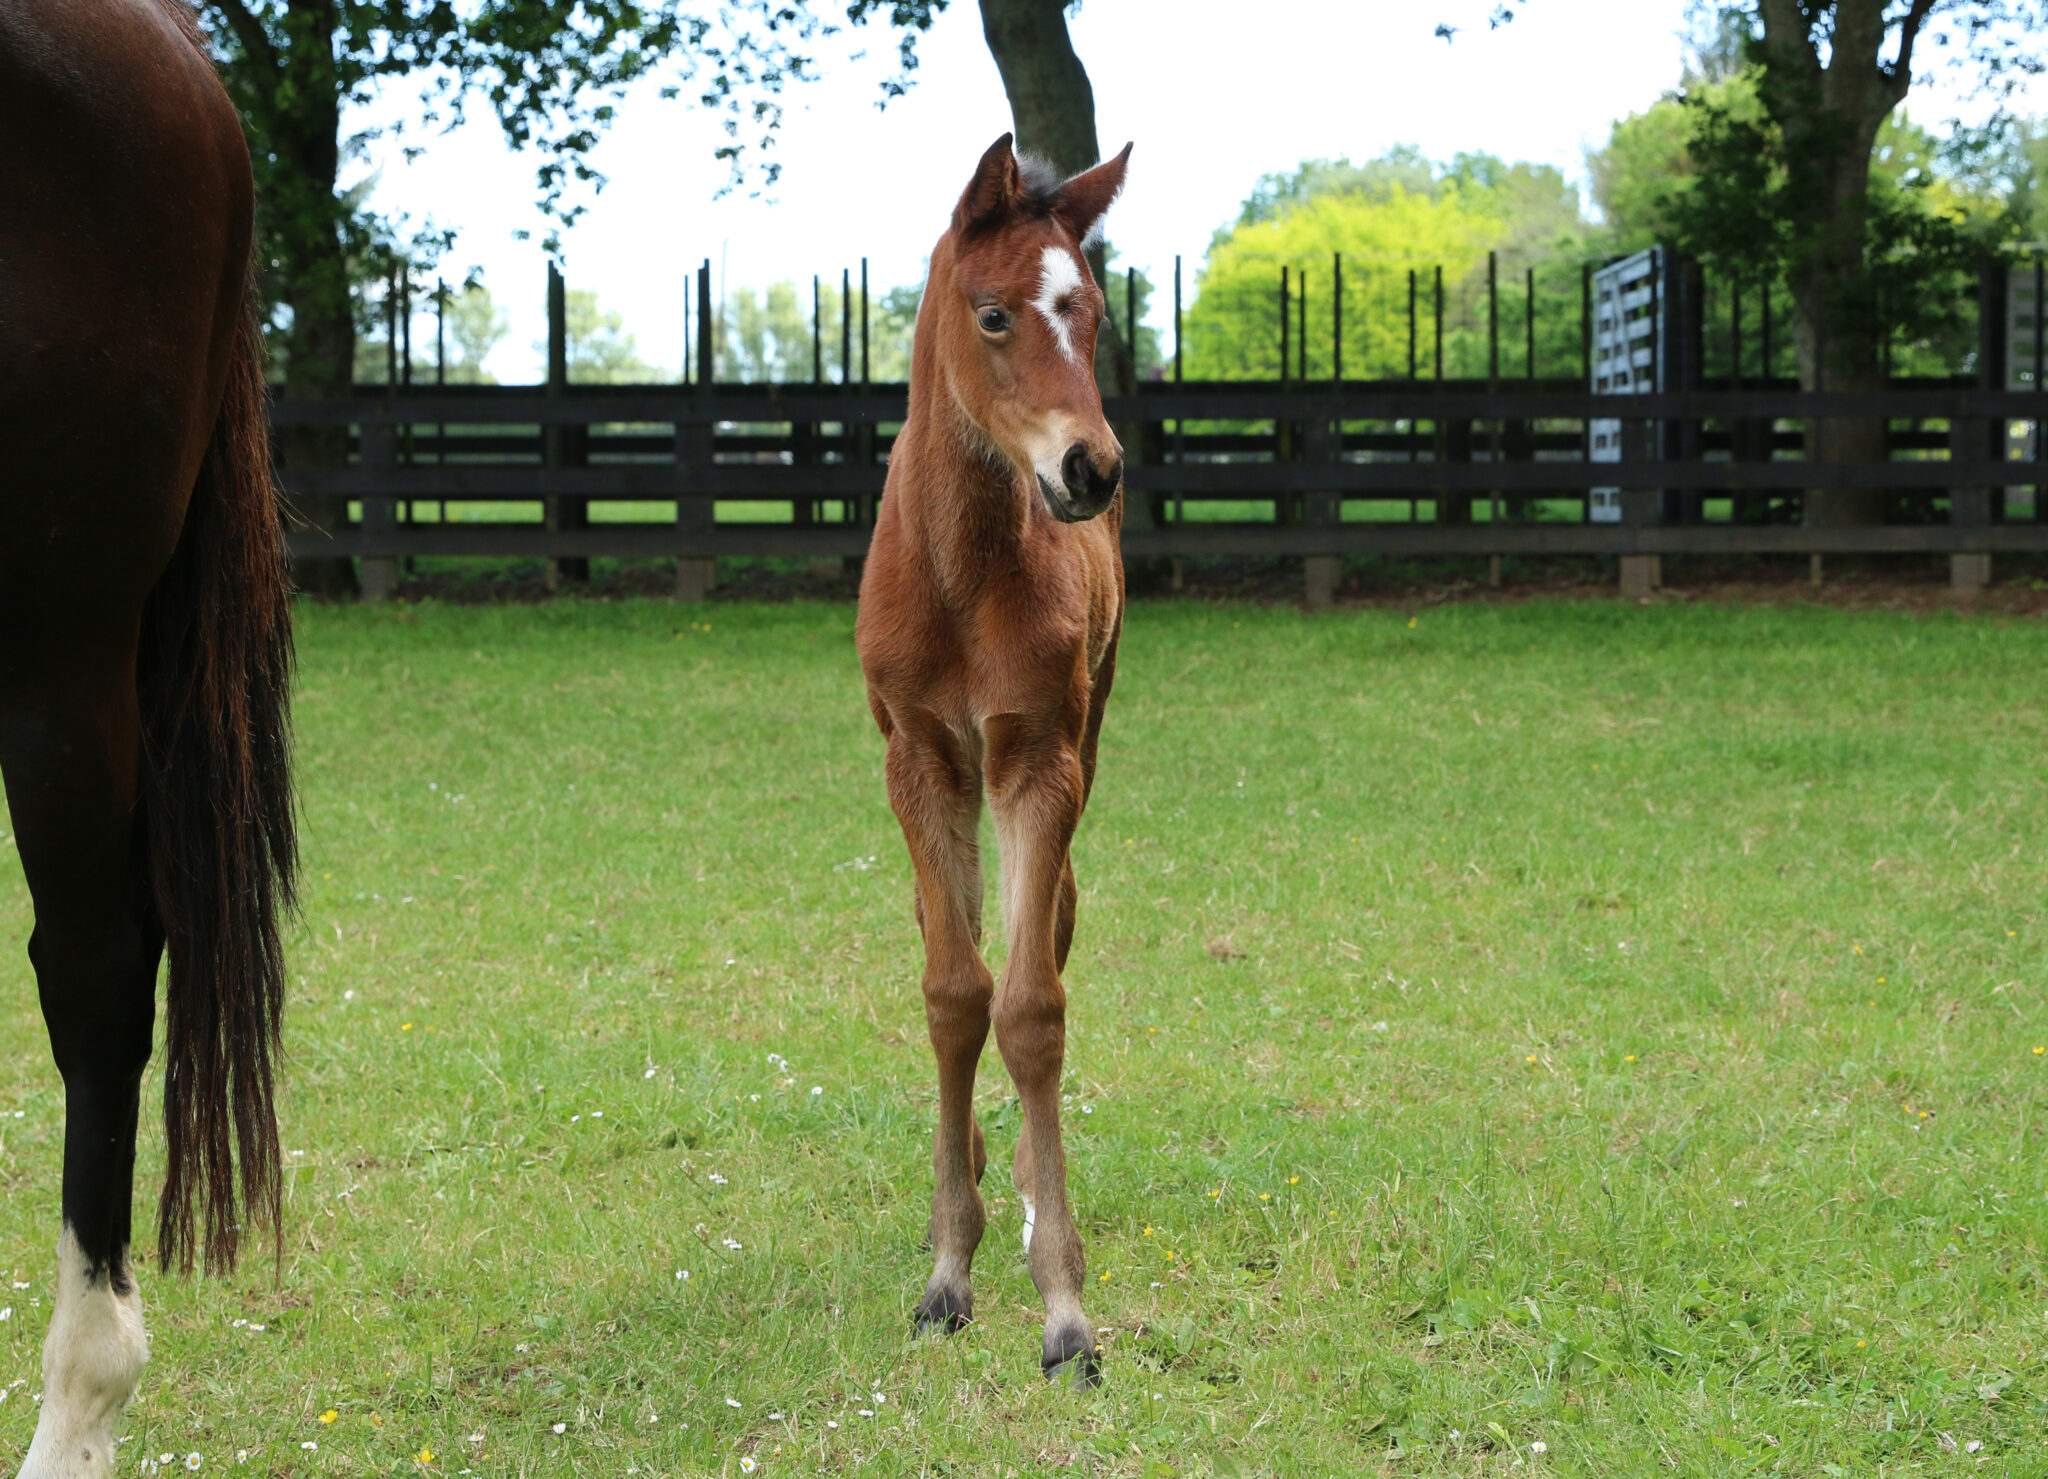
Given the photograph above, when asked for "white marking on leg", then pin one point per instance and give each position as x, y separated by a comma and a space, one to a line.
1059, 278
1030, 1219
92, 1360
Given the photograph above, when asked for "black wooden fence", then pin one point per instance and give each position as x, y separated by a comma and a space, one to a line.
1407, 470
1311, 469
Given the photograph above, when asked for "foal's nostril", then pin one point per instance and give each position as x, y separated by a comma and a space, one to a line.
1086, 484
1076, 470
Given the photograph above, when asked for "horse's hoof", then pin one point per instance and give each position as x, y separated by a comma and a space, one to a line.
1082, 1373
941, 1314
1074, 1357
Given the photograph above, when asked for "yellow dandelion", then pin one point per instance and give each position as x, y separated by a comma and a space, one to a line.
1861, 1344
406, 1028
1217, 1192
1857, 948
1630, 1058
1148, 1230
2039, 1051
329, 1415
1294, 1181
1103, 1277
424, 1456
1265, 1196
1171, 1255
1880, 980
1411, 623
1530, 1059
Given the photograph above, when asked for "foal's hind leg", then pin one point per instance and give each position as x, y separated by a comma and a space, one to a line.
70, 764
1036, 791
936, 794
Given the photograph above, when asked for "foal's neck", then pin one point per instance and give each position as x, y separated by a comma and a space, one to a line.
970, 509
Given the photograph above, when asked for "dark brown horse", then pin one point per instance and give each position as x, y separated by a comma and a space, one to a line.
145, 653
989, 614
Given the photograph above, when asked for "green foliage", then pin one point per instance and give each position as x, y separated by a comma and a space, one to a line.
1128, 310
473, 326
1706, 171
550, 74
767, 336
599, 348
1624, 1041
476, 325
1389, 217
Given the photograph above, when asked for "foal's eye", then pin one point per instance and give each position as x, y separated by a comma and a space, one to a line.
993, 320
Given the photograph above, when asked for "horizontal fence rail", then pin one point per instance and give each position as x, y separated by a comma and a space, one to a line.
1389, 468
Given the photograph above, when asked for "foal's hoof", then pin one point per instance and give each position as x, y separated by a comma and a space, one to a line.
941, 1314
1074, 1359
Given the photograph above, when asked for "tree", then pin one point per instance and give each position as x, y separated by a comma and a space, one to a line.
1390, 216
1052, 110
1790, 185
476, 325
600, 350
472, 326
551, 74
1701, 172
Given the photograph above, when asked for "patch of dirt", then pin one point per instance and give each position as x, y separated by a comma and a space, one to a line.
1864, 583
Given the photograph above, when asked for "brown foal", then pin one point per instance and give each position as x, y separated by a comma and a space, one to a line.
989, 614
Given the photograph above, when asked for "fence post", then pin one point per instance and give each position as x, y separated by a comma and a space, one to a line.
1642, 574
1453, 439
378, 576
695, 574
1974, 439
1322, 444
562, 446
803, 432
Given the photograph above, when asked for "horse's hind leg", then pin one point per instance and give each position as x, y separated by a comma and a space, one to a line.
70, 760
936, 794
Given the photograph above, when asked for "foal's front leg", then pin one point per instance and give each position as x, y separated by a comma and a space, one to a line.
936, 795
1036, 791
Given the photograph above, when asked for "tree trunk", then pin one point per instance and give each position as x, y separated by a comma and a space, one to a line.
1829, 117
1052, 108
304, 227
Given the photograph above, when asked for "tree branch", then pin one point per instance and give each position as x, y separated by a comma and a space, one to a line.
254, 39
1788, 36
1909, 30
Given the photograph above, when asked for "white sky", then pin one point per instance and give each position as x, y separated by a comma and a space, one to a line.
1214, 92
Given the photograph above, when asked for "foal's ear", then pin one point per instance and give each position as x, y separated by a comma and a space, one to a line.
1081, 202
995, 189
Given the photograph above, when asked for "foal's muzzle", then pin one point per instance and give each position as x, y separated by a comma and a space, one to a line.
1086, 490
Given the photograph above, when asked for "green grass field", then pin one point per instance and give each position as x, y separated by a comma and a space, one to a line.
1616, 1029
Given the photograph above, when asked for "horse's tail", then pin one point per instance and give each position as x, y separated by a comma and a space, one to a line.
214, 674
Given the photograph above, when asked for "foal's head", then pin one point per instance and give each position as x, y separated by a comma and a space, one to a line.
1009, 317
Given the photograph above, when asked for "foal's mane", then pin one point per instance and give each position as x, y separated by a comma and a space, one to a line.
1038, 194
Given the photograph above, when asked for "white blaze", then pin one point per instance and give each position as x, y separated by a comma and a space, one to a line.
92, 1360
1059, 278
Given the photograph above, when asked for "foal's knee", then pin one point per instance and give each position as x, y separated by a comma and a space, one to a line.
1031, 1033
